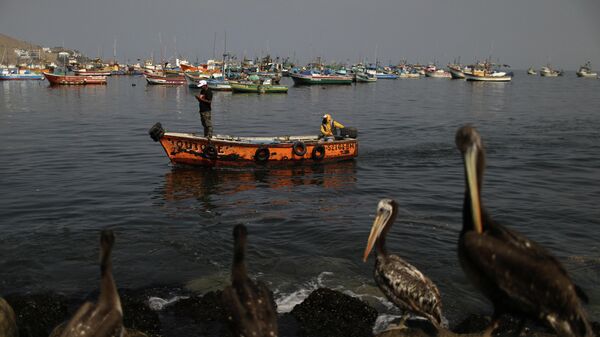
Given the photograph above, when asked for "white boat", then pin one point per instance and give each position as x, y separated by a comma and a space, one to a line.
365, 77
586, 71
484, 72
438, 73
547, 71
409, 75
456, 71
531, 71
484, 76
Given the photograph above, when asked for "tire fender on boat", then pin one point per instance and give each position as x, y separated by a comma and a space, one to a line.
299, 148
210, 151
318, 152
156, 132
262, 154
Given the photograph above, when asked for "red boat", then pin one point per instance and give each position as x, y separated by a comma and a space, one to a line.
74, 80
168, 80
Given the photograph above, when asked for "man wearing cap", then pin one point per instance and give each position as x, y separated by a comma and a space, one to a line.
204, 100
328, 127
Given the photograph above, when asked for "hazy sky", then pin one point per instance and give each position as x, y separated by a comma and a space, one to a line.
521, 33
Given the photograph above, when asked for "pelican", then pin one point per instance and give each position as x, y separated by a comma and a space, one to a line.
250, 305
516, 274
8, 320
105, 318
401, 282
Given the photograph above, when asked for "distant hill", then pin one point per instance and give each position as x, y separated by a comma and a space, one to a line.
8, 44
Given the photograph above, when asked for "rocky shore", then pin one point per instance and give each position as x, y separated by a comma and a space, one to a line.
324, 313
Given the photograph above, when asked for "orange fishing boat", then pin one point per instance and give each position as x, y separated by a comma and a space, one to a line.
228, 151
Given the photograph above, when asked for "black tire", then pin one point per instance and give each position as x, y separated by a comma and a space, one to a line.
262, 154
318, 152
210, 151
156, 132
299, 148
349, 132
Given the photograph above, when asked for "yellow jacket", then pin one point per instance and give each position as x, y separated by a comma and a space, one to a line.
329, 125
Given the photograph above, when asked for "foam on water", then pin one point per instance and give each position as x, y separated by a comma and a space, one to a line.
287, 302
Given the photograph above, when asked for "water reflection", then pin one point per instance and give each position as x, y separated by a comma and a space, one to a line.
489, 96
183, 183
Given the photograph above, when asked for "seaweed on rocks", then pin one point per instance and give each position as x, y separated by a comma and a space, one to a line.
38, 314
330, 313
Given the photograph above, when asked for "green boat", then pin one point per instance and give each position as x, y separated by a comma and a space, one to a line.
259, 88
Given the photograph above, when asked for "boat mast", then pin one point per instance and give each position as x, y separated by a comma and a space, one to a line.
224, 55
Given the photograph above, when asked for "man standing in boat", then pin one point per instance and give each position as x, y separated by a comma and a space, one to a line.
329, 128
204, 100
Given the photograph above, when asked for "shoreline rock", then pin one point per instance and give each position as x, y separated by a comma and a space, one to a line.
324, 313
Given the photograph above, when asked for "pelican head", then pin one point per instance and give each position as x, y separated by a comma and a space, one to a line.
470, 146
386, 214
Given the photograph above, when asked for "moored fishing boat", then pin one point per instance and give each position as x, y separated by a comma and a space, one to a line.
456, 71
227, 151
74, 80
485, 76
531, 71
486, 72
438, 73
217, 84
165, 80
16, 75
548, 71
260, 88
312, 77
586, 71
365, 77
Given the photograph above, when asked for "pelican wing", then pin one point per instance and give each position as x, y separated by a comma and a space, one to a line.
408, 288
531, 248
527, 283
251, 309
92, 321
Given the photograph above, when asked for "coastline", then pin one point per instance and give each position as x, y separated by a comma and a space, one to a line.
167, 311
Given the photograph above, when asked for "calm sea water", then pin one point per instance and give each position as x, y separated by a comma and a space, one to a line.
79, 159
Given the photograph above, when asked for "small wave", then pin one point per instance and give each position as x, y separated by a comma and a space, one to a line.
157, 303
383, 321
287, 302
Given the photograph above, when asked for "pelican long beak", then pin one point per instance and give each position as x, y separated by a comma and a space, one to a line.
378, 225
471, 169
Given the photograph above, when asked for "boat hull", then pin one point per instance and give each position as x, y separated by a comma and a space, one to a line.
386, 76
21, 77
587, 75
475, 78
195, 150
300, 79
165, 80
364, 78
258, 88
456, 74
91, 73
74, 80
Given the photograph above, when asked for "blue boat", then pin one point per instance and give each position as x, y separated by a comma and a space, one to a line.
15, 74
386, 76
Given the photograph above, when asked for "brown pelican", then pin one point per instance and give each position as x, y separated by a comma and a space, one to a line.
401, 282
8, 320
250, 305
516, 274
105, 318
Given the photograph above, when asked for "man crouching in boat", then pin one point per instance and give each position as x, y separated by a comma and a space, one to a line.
329, 128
